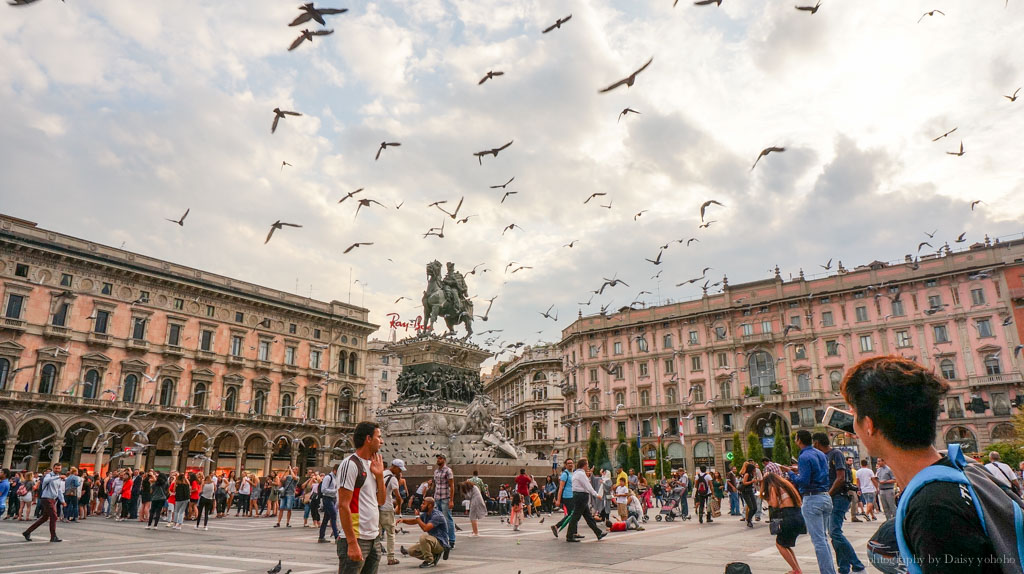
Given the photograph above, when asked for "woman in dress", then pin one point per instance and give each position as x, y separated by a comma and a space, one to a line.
784, 501
477, 506
275, 494
146, 495
717, 494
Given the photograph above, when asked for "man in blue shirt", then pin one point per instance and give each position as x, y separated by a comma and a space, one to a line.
812, 482
434, 541
49, 494
5, 489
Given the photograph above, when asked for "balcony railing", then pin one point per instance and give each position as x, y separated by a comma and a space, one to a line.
1000, 379
265, 365
137, 344
174, 351
762, 399
208, 356
98, 339
290, 369
759, 338
725, 403
805, 396
14, 324
56, 332
236, 360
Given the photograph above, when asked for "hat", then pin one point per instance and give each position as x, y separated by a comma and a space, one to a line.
399, 463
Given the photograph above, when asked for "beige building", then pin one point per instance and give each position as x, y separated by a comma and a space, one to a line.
382, 369
112, 357
528, 392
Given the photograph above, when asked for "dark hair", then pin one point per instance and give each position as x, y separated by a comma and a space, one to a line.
363, 431
820, 438
804, 436
581, 462
703, 468
765, 459
900, 396
522, 471
863, 462
776, 481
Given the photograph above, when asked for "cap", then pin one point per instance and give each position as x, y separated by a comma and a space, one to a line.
398, 463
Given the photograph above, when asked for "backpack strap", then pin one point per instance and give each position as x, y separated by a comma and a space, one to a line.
361, 478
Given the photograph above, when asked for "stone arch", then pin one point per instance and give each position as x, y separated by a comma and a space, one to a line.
965, 436
309, 449
53, 420
1002, 432
254, 452
163, 427
80, 434
41, 431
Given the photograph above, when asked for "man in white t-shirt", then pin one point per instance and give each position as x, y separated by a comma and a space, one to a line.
360, 495
392, 500
1004, 475
868, 489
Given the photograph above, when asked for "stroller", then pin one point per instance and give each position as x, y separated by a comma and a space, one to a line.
670, 509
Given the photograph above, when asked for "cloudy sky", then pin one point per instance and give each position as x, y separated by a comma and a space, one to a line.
116, 114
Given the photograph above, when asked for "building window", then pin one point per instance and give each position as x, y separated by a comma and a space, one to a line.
316, 334
747, 329
286, 405
313, 410
724, 390
174, 335
858, 294
902, 339
766, 326
1000, 404
592, 350
199, 396
263, 352
179, 304
934, 301
954, 409
617, 372
620, 398
695, 363
807, 416
720, 333
47, 379
60, 317
643, 369
865, 343
941, 336
231, 399
761, 368
314, 359
595, 403
835, 379
239, 317
352, 358
702, 422
670, 395
794, 320
621, 429
14, 305
206, 340
91, 383
977, 296
641, 344
131, 384
384, 376
727, 422
992, 365
593, 375
102, 319
803, 382
670, 366
66, 280
144, 296
693, 338
645, 398
698, 393
800, 351
666, 341
826, 319
617, 348
5, 370
342, 361
897, 309
211, 311
862, 313
21, 270
825, 300
139, 328
107, 289
832, 348
292, 328
646, 429
723, 360
289, 355
259, 403
167, 393
236, 346
948, 369
984, 327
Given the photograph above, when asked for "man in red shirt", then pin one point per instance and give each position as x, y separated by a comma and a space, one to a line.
523, 488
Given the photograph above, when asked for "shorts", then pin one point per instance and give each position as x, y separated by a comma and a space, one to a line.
792, 526
868, 497
287, 502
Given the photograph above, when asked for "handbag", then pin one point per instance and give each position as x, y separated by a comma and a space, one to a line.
775, 526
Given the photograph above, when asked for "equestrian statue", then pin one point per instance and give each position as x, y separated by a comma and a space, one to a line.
447, 297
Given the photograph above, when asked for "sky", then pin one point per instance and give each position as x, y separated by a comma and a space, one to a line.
117, 114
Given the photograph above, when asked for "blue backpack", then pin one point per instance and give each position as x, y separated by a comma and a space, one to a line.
1003, 523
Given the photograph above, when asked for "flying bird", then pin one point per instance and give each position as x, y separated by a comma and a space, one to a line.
308, 35
975, 202
593, 195
960, 238
365, 203
827, 266
811, 9
284, 163
628, 80
507, 193
689, 241
278, 225
354, 245
706, 2
490, 76
639, 213
350, 194
510, 227
455, 213
317, 14
656, 260
384, 146
558, 24
502, 186
547, 314
493, 151
1013, 98
932, 13
957, 153
705, 205
180, 222
438, 231
764, 153
944, 135
626, 111
932, 234
922, 244
280, 114
571, 243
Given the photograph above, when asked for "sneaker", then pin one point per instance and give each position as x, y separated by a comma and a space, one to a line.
278, 525
446, 552
602, 535
197, 527
321, 541
206, 528
554, 530
27, 536
710, 521
55, 539
428, 564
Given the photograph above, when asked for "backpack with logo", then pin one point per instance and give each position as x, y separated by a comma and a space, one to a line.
22, 491
702, 485
1002, 522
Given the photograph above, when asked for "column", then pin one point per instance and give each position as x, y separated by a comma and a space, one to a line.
58, 446
268, 455
9, 444
175, 453
295, 455
140, 458
208, 464
100, 448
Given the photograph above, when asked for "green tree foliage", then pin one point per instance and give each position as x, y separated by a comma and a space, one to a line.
737, 450
593, 444
602, 461
634, 458
754, 450
1009, 453
781, 452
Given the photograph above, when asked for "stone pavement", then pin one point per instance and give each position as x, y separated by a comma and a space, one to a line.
252, 546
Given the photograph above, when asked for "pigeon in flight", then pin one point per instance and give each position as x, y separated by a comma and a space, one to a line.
308, 35
384, 146
626, 111
350, 194
278, 225
317, 14
705, 205
628, 80
811, 9
932, 13
354, 245
957, 153
493, 151
592, 196
706, 2
280, 114
558, 24
944, 135
489, 76
180, 222
764, 153
502, 186
1013, 98
365, 203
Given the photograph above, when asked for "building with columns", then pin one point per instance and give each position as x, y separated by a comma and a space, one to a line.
382, 369
111, 358
776, 350
528, 392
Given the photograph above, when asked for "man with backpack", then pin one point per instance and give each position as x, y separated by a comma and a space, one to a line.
952, 516
701, 493
360, 495
329, 498
1003, 474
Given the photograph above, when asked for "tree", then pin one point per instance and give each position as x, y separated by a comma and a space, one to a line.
634, 458
602, 461
737, 450
1009, 453
754, 450
781, 452
592, 444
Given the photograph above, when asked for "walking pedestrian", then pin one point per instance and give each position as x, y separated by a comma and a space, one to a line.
25, 495
5, 490
205, 503
717, 494
702, 491
811, 479
886, 489
328, 498
49, 495
839, 487
515, 518
392, 505
360, 495
564, 496
731, 487
866, 479
182, 492
582, 491
444, 489
784, 503
287, 497
158, 499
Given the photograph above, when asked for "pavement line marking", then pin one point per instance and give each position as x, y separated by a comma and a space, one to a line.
147, 562
81, 560
14, 534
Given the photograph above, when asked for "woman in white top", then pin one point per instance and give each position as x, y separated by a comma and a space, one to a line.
244, 489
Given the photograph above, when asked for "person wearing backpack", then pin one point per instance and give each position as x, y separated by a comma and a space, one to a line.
701, 492
360, 495
951, 516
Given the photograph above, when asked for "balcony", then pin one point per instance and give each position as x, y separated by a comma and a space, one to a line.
101, 339
805, 396
725, 403
762, 399
263, 365
568, 389
758, 338
992, 380
236, 360
1017, 293
55, 332
290, 369
137, 344
208, 356
173, 351
14, 325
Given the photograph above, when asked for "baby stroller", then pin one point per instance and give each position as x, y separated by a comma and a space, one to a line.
670, 509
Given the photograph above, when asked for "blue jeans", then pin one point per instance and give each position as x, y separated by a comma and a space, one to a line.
442, 503
684, 506
734, 504
330, 515
817, 513
845, 555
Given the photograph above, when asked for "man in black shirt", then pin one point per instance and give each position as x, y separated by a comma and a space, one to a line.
895, 403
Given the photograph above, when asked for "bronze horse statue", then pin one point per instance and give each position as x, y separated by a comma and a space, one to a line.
436, 302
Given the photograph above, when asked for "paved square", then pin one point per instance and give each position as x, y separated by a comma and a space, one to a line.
253, 546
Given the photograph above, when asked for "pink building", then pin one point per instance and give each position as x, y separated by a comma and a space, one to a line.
115, 358
776, 350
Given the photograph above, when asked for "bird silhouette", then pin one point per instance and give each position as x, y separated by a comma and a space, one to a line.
558, 24
280, 114
493, 151
706, 2
628, 80
365, 203
944, 135
316, 14
181, 221
764, 153
1013, 98
626, 111
278, 225
489, 76
355, 245
350, 194
705, 205
957, 153
384, 146
308, 35
931, 13
504, 185
811, 9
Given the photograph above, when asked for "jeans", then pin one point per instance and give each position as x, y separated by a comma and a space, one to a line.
734, 503
156, 508
817, 513
757, 506
369, 563
71, 510
330, 515
845, 555
442, 503
684, 506
179, 511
